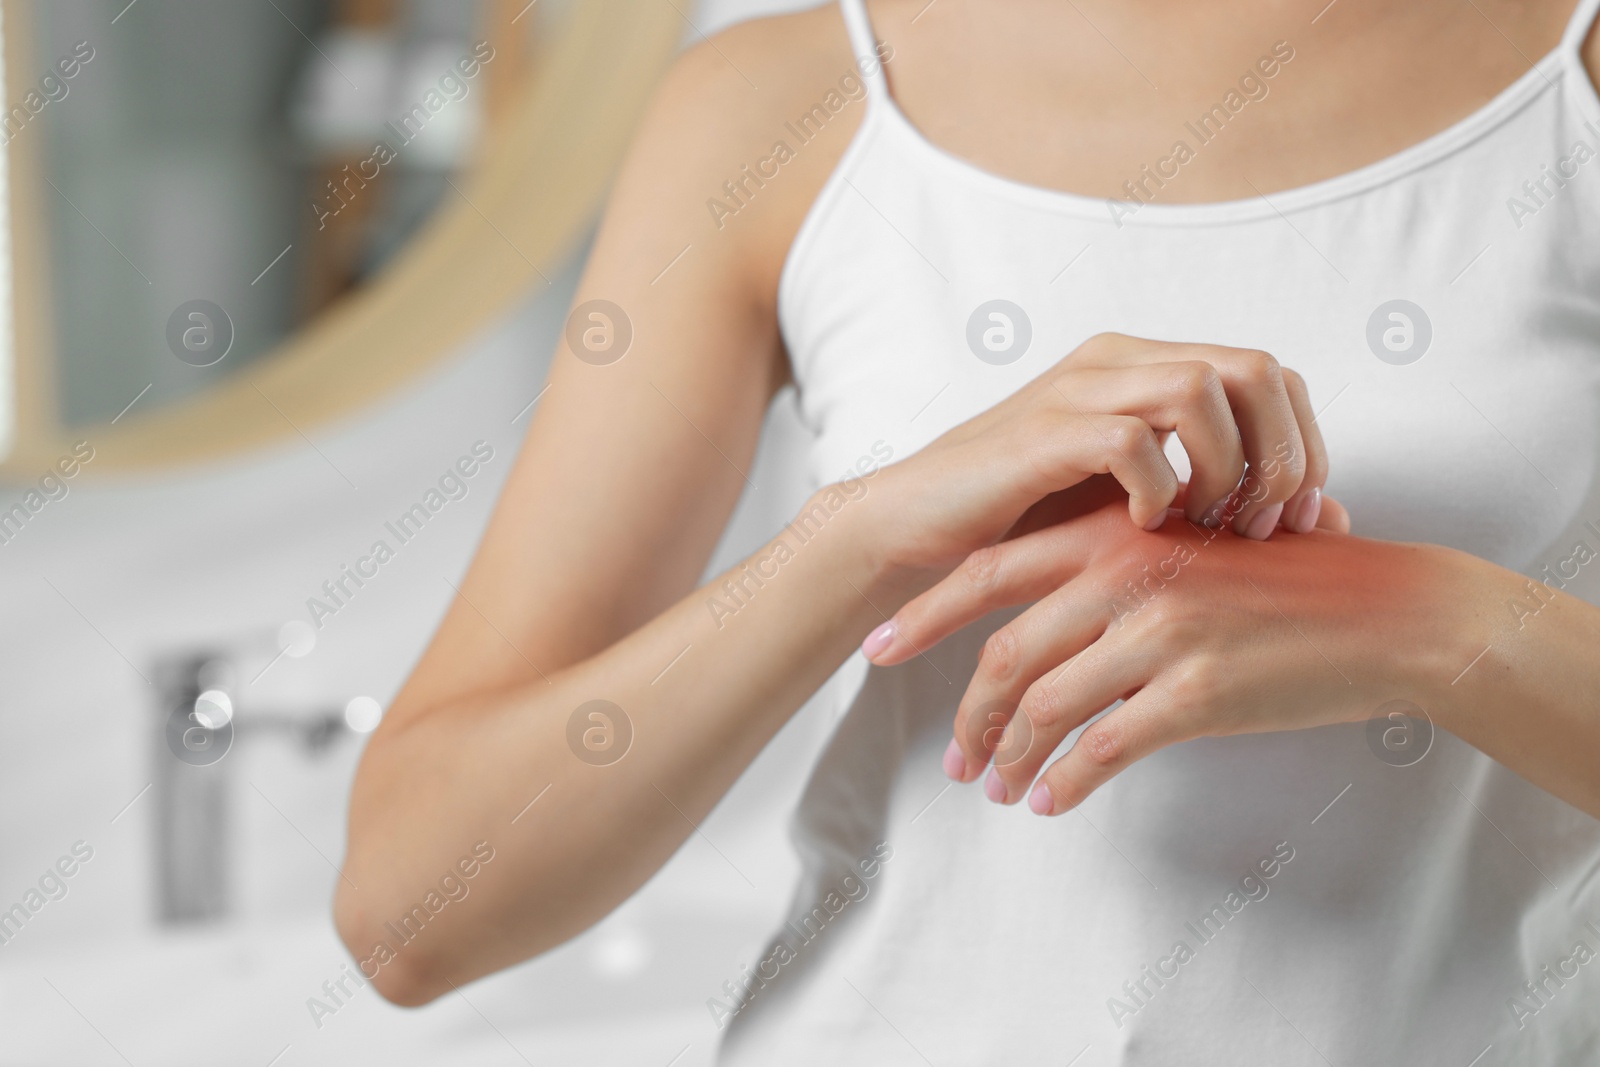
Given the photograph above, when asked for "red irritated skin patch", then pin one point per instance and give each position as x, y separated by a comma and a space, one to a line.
1185, 623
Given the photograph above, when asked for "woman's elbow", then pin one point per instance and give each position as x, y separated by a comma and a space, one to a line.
401, 972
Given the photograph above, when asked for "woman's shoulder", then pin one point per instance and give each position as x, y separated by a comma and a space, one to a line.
743, 83
745, 129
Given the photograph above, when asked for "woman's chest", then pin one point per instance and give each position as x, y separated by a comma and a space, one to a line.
1453, 357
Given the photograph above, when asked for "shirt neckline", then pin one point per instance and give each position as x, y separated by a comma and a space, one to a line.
1542, 76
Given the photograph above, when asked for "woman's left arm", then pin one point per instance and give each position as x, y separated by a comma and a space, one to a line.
1204, 633
1533, 701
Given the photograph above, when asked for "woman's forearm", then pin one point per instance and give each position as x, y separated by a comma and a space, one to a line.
707, 683
1532, 701
703, 687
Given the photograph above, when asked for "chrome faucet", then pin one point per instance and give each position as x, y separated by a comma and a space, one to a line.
197, 726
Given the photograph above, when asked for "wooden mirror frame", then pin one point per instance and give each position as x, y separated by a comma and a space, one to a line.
514, 219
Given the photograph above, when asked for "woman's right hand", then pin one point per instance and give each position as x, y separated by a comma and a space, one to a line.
1107, 408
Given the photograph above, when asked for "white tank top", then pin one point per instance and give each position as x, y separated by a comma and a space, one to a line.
1285, 899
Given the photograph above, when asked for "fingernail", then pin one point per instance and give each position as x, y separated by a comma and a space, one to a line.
1306, 513
1157, 520
955, 762
1261, 526
1040, 800
994, 788
878, 640
1214, 516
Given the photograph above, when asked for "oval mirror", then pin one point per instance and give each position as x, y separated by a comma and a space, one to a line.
233, 222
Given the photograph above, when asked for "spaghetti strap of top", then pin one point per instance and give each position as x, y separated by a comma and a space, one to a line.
865, 45
1583, 17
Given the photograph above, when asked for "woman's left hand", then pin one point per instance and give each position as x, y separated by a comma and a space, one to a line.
1199, 631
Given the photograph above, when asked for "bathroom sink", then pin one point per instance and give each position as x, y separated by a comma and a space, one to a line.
630, 991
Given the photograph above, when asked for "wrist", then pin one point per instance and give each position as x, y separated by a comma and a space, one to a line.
1467, 600
864, 522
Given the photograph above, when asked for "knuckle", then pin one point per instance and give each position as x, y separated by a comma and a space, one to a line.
1260, 368
980, 572
1106, 347
1001, 653
1165, 614
1200, 681
1104, 745
1044, 707
1091, 348
1283, 473
1196, 379
1128, 434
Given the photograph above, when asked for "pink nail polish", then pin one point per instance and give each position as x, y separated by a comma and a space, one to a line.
994, 788
1040, 800
1262, 525
1307, 513
955, 762
878, 640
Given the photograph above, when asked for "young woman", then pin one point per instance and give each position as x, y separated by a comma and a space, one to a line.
1081, 301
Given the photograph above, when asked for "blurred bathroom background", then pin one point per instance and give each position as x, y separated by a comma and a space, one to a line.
175, 910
